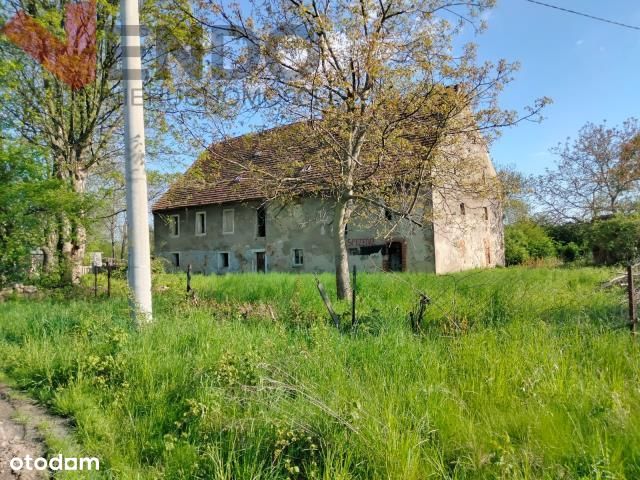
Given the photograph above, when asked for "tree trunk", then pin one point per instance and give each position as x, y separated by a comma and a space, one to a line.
66, 247
73, 235
112, 235
123, 244
49, 250
76, 253
343, 282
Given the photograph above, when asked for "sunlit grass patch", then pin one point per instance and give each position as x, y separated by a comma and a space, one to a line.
519, 373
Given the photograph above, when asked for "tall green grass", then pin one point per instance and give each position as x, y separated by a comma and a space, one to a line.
519, 373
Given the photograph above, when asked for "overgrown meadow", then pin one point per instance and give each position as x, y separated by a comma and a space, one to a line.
518, 373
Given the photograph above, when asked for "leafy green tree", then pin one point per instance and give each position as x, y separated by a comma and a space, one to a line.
73, 128
615, 240
27, 198
78, 130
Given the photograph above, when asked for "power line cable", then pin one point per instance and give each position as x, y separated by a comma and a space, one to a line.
585, 15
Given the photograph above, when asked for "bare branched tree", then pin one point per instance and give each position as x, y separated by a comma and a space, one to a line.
387, 110
596, 175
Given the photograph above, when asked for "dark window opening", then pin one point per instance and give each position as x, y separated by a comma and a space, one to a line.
388, 214
394, 253
298, 256
486, 213
370, 250
175, 259
346, 229
262, 221
175, 225
261, 262
463, 210
224, 260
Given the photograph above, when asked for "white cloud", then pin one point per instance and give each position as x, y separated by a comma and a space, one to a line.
579, 42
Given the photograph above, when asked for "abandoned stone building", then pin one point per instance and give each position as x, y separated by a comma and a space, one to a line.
224, 225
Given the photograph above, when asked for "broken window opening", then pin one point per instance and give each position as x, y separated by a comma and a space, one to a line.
372, 249
262, 221
174, 225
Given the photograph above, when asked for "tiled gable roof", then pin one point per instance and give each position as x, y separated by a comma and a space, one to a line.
205, 183
222, 174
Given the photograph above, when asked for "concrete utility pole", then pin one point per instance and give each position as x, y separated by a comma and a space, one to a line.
139, 271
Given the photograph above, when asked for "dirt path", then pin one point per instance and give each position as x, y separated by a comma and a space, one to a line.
21, 423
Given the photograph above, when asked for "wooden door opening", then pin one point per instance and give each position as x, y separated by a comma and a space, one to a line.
395, 256
261, 262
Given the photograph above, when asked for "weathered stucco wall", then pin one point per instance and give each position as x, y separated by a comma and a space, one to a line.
470, 240
468, 228
305, 225
465, 230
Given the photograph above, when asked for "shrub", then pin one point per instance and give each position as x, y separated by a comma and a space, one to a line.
159, 265
614, 240
525, 240
570, 252
515, 253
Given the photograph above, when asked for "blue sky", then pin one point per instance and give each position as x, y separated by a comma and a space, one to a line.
590, 69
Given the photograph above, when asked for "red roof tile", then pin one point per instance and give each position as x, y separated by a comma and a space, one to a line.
289, 158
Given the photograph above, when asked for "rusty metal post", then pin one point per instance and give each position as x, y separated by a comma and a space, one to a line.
188, 278
95, 280
633, 317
